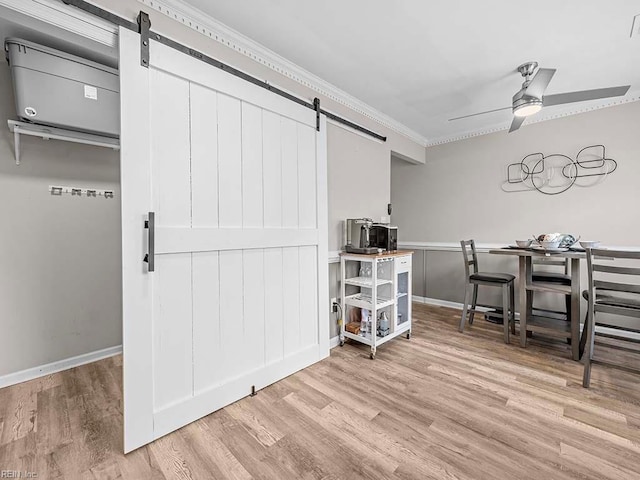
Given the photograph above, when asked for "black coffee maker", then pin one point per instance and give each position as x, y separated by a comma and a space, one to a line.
383, 236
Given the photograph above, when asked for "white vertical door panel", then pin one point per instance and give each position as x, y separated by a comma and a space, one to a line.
252, 199
289, 146
137, 285
229, 161
207, 339
237, 179
274, 305
291, 293
231, 314
272, 169
204, 156
307, 174
170, 149
307, 258
254, 297
172, 346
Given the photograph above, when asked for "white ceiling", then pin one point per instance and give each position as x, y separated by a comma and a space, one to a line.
423, 62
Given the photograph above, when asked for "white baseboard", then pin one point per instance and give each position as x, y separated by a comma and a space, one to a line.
334, 341
53, 367
443, 303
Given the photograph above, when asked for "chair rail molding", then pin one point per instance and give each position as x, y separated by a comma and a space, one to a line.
480, 247
216, 30
334, 256
447, 246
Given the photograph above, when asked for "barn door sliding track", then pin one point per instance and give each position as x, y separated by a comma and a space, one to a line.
143, 26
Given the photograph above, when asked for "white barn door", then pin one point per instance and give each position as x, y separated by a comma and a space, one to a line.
236, 179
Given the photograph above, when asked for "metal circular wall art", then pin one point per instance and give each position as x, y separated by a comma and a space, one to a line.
557, 173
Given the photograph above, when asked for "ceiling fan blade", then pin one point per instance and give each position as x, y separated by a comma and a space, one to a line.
584, 95
480, 113
517, 123
540, 82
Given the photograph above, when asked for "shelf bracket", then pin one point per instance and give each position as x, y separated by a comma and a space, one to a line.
16, 145
54, 133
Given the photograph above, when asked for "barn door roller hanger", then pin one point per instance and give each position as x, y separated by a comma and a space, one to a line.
144, 27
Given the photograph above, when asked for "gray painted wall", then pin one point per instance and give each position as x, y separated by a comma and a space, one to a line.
60, 287
457, 195
358, 171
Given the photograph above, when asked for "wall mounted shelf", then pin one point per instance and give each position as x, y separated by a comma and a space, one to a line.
53, 133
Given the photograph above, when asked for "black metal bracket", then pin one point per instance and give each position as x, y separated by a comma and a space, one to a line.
144, 26
316, 107
253, 391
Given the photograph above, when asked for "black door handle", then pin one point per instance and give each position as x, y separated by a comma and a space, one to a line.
150, 225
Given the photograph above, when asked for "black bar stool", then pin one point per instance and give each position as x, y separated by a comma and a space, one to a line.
475, 278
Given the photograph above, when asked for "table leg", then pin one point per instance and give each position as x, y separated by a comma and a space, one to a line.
522, 297
575, 308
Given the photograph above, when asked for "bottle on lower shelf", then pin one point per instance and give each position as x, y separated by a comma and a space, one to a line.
364, 322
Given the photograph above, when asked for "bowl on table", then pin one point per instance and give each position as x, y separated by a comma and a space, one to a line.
550, 244
548, 237
589, 243
523, 243
564, 240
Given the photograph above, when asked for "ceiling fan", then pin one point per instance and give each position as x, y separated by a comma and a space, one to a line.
530, 99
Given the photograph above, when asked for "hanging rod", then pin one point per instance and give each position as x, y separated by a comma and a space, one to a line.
110, 17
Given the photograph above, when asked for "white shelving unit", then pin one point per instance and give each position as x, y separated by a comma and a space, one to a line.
387, 288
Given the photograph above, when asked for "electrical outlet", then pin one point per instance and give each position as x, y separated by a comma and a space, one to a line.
334, 303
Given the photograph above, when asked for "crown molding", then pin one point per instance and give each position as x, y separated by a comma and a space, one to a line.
212, 28
500, 128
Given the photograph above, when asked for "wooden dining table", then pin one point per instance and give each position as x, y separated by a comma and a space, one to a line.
526, 287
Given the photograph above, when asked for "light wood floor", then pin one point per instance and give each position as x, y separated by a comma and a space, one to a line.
442, 405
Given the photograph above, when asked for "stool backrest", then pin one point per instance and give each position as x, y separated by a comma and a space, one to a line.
618, 295
469, 249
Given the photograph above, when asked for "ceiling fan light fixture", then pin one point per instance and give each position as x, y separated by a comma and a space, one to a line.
527, 109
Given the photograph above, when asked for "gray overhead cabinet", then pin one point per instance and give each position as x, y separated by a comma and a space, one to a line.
55, 88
